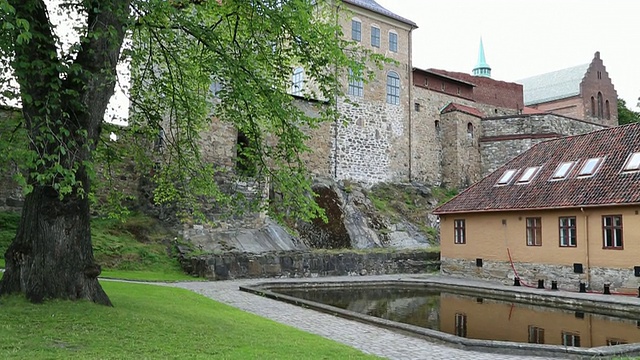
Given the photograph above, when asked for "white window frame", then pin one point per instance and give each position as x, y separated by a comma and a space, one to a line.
528, 174
568, 231
506, 177
570, 339
297, 80
591, 170
563, 170
633, 163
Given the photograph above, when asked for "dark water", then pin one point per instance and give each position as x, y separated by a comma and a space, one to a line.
478, 318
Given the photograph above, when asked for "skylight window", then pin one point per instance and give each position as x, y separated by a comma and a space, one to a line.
507, 176
528, 174
563, 170
633, 162
590, 167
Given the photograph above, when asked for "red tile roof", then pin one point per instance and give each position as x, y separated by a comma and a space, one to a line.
462, 108
607, 187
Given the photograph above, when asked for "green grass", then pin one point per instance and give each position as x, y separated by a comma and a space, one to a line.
133, 249
152, 322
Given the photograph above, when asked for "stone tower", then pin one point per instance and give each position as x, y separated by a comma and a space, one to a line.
482, 68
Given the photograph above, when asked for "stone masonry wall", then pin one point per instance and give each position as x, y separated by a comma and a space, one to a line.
622, 280
428, 141
499, 145
296, 264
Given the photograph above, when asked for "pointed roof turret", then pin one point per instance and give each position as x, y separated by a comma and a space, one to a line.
482, 68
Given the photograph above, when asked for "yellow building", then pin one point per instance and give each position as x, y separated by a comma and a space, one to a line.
566, 210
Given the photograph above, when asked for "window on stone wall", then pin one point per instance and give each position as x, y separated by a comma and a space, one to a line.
375, 36
393, 42
416, 107
593, 107
607, 110
297, 81
600, 106
459, 231
356, 85
461, 325
393, 88
458, 90
534, 231
437, 126
470, 130
536, 335
568, 237
612, 231
356, 30
570, 339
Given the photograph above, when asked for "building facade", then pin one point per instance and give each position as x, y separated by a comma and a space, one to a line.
566, 210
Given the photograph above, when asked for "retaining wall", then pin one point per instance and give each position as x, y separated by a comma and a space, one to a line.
296, 264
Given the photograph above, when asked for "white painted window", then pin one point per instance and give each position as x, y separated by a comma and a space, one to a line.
507, 176
562, 170
298, 81
590, 167
528, 174
633, 162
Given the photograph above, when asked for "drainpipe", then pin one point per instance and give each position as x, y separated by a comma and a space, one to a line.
337, 116
410, 108
586, 235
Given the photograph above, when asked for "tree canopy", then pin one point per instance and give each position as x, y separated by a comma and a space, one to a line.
179, 48
626, 115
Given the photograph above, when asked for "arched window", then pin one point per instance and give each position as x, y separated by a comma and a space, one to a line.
593, 106
356, 29
470, 130
600, 106
298, 81
393, 88
356, 85
607, 110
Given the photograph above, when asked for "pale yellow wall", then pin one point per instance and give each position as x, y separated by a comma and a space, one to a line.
512, 323
488, 238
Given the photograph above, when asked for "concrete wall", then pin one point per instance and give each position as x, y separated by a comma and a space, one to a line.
493, 236
504, 138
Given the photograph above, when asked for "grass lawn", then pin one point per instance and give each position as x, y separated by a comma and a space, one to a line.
151, 322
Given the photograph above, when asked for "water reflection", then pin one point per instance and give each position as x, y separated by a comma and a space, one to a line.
479, 318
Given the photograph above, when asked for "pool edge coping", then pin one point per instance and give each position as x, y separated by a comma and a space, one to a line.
487, 346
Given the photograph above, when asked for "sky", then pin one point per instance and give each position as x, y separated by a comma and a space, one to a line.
523, 38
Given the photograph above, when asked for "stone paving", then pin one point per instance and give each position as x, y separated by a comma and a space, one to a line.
367, 338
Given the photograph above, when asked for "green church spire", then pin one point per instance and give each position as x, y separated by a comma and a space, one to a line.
482, 68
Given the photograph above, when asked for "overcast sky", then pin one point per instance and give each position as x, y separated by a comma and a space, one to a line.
523, 38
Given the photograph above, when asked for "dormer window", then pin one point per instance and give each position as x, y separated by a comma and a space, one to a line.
507, 177
563, 170
528, 174
590, 167
633, 163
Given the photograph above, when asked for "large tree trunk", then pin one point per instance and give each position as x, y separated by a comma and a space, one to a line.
52, 256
